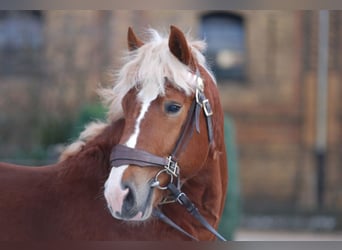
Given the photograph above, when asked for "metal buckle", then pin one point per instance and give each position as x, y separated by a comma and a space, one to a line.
204, 103
200, 83
172, 167
167, 200
207, 108
198, 97
179, 198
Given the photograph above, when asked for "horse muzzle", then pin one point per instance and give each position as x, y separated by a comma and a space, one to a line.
131, 198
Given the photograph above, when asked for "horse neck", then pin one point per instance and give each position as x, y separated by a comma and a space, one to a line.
93, 160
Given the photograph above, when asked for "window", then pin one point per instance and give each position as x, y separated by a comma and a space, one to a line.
21, 40
225, 35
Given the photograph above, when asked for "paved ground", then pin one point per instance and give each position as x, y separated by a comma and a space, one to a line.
264, 235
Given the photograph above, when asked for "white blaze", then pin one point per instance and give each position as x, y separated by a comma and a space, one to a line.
132, 141
114, 193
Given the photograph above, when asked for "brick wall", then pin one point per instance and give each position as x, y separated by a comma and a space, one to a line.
273, 109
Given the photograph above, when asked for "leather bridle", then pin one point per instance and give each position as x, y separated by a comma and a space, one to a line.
123, 155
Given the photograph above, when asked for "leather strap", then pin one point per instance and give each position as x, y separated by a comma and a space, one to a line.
160, 215
123, 155
186, 132
183, 199
203, 103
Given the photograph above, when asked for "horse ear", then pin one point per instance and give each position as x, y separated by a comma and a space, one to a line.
178, 45
133, 42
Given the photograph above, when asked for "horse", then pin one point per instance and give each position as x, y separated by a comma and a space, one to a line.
162, 143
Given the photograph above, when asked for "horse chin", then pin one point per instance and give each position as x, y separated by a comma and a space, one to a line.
138, 217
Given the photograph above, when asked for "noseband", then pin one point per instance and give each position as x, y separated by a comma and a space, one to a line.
123, 155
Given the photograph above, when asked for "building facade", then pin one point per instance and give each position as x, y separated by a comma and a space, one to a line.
266, 67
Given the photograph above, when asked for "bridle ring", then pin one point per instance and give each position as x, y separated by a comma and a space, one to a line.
156, 182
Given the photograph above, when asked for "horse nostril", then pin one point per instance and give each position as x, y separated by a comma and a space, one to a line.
129, 203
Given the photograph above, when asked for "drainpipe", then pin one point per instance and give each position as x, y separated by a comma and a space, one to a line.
322, 106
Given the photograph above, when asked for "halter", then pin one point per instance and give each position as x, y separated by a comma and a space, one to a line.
123, 155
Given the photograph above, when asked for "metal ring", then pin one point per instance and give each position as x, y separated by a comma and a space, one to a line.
157, 183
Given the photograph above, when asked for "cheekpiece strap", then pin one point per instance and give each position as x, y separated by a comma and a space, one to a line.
203, 103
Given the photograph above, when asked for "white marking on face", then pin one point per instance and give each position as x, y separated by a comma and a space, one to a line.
114, 193
132, 141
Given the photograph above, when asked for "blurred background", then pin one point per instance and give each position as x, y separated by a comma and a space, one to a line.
279, 75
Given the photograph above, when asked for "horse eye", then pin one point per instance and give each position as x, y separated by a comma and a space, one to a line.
172, 108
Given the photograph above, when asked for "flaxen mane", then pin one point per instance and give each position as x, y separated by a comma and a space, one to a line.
146, 69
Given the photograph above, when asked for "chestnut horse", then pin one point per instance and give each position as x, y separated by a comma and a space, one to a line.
164, 103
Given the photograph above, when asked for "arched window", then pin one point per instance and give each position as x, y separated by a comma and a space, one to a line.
20, 29
21, 40
225, 35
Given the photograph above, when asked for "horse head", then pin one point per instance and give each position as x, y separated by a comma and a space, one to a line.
157, 93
